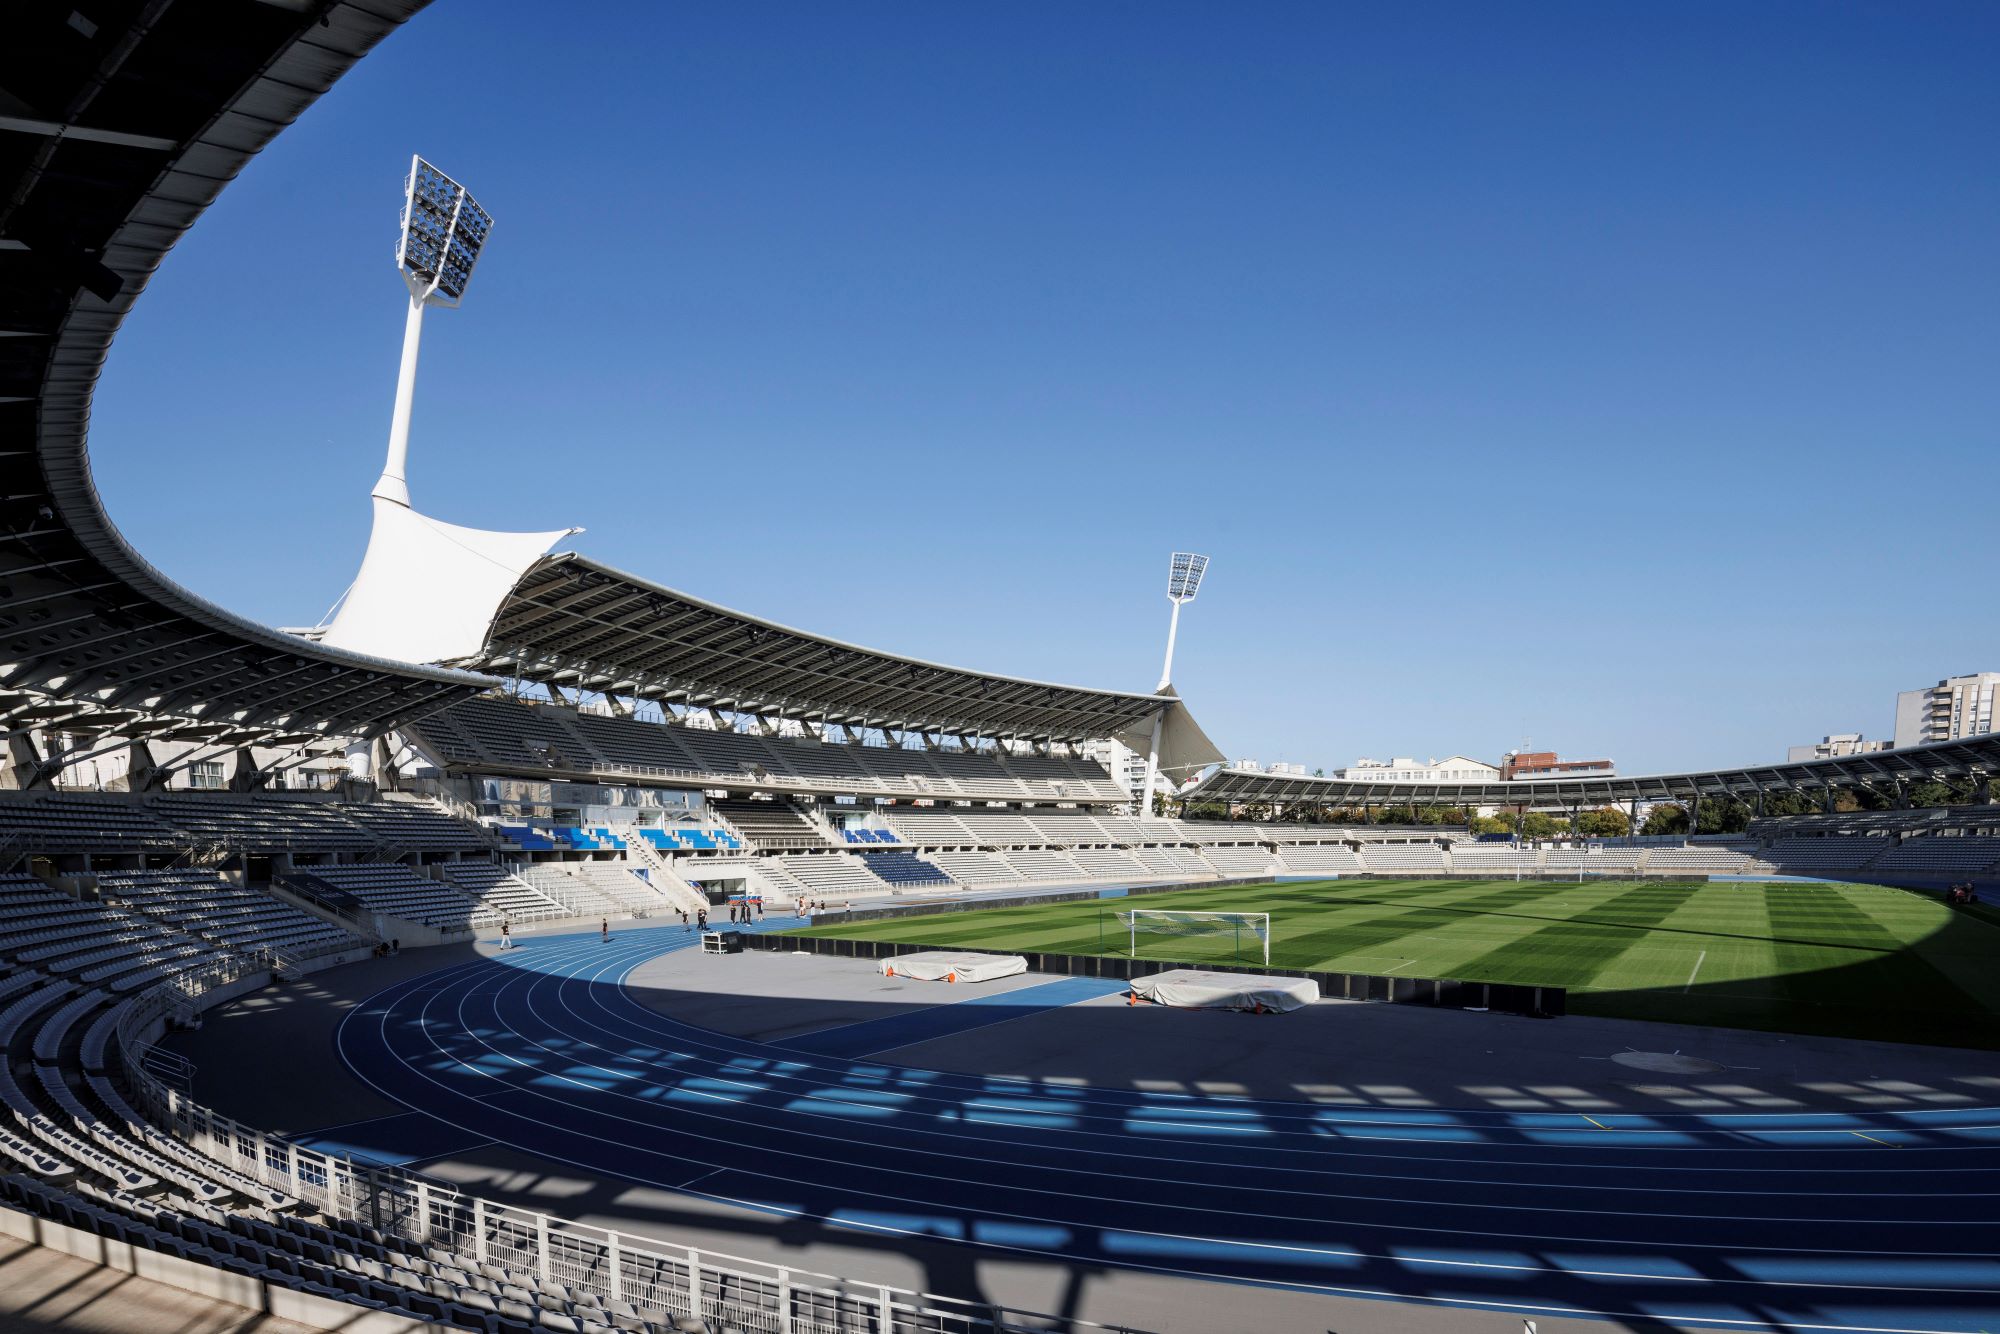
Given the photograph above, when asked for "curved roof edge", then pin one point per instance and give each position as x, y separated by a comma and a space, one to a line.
86, 617
575, 621
1967, 757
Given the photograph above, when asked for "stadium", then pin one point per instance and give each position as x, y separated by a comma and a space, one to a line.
536, 946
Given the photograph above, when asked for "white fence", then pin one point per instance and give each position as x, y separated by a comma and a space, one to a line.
727, 1290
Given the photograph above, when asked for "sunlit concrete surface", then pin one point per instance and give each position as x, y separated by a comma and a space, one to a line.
45, 1290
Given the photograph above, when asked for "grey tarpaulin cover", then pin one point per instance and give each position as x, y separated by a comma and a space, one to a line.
1193, 989
954, 966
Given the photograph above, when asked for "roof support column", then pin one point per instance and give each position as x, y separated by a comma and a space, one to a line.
141, 767
245, 774
24, 761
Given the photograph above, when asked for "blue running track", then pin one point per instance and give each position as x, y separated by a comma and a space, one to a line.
942, 1021
1876, 1221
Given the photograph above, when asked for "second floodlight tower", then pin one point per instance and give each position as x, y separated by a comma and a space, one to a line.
1184, 574
444, 230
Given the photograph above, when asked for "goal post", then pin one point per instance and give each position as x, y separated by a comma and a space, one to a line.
1238, 927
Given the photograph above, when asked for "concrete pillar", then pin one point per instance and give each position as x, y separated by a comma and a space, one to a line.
24, 761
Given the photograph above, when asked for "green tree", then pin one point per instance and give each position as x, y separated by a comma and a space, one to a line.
1666, 818
1540, 824
1791, 801
1931, 794
1604, 822
1492, 824
1723, 815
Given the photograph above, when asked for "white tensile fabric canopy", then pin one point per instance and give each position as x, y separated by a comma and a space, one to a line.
428, 590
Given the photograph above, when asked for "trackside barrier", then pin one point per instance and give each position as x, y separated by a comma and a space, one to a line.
920, 908
1441, 992
724, 1290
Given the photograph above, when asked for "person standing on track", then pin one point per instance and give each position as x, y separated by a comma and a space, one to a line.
506, 935
604, 926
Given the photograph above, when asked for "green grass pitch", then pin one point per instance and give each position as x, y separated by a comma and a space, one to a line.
1849, 960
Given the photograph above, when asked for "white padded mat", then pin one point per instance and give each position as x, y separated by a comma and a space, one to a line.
1193, 989
954, 966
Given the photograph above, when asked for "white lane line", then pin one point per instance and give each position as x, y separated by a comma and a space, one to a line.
1692, 971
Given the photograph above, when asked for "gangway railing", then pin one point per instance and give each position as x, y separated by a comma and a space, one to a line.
756, 1296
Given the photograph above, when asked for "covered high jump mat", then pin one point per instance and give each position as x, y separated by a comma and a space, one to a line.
954, 966
1192, 989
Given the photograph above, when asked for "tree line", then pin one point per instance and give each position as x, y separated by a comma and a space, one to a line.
1718, 814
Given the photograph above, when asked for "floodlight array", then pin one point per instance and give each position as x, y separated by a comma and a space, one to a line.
1184, 575
443, 231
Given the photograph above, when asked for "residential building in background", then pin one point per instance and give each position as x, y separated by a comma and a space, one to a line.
1834, 747
1525, 764
1956, 706
1127, 766
1456, 769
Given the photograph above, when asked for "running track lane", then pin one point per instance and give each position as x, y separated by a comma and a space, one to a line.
1879, 1221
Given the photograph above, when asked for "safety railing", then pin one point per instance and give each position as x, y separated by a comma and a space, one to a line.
727, 1290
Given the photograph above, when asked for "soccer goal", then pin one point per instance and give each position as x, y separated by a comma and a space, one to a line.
1235, 932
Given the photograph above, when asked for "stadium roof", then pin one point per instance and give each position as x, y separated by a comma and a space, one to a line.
571, 621
119, 124
1974, 757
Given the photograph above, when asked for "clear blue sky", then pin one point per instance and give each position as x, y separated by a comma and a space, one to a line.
1620, 377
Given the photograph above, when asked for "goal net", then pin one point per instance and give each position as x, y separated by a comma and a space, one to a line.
1234, 935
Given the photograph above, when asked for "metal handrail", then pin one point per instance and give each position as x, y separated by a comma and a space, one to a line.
754, 1295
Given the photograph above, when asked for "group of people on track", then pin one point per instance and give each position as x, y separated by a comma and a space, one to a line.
1965, 893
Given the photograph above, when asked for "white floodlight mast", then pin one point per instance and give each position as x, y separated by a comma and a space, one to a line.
443, 231
1184, 574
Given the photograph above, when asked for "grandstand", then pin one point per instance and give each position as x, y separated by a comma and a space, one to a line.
125, 911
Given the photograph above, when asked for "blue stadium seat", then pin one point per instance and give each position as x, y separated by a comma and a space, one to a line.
904, 868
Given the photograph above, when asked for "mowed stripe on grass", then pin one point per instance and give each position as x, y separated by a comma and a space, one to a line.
1837, 959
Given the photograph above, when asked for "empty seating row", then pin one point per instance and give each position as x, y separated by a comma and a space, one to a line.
1402, 857
1952, 856
416, 826
257, 823
1824, 854
976, 869
1319, 859
1695, 860
95, 944
1584, 859
1240, 861
267, 825
1044, 864
501, 890
771, 824
838, 875
204, 904
397, 891
526, 735
904, 869
64, 821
